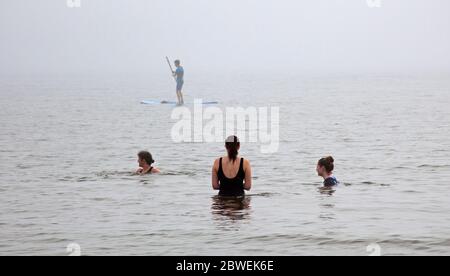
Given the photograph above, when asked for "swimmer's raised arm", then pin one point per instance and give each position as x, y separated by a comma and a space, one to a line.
215, 177
248, 175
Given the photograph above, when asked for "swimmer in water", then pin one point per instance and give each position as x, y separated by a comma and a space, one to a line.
145, 161
232, 175
325, 168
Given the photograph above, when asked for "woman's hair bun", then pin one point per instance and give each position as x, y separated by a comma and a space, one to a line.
330, 159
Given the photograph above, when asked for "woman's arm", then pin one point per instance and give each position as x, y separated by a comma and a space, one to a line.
248, 175
215, 178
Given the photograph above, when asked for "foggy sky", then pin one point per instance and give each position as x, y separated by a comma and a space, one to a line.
134, 36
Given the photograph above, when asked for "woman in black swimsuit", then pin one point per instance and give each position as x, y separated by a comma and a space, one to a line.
232, 175
145, 161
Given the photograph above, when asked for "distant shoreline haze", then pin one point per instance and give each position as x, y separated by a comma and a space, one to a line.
292, 36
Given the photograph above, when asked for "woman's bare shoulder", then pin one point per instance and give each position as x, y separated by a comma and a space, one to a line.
247, 163
156, 170
216, 163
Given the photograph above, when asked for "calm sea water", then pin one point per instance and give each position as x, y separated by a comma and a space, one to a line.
68, 148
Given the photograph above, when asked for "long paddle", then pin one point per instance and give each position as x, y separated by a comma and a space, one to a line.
170, 66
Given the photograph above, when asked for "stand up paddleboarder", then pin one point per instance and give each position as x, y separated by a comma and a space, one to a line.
178, 74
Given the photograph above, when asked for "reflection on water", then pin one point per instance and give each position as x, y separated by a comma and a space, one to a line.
231, 209
327, 191
327, 209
